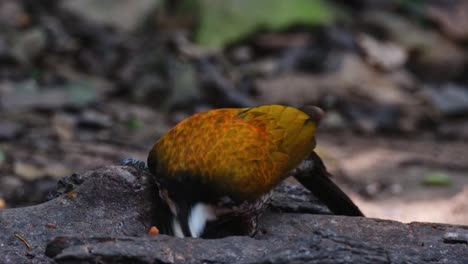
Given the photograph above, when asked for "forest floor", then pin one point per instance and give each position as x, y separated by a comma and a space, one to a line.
77, 95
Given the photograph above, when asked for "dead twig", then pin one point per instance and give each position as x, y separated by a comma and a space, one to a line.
20, 237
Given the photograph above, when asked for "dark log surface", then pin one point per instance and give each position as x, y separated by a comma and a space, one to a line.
103, 216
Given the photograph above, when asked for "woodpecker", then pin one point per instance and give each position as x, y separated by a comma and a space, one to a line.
215, 170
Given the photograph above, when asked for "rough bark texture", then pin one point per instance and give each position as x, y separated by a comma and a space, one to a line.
103, 216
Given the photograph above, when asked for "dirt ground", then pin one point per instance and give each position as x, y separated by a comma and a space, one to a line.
385, 176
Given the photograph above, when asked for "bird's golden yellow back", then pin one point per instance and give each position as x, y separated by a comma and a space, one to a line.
241, 152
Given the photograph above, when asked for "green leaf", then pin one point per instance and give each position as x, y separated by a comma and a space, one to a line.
81, 93
2, 157
416, 6
437, 179
225, 21
135, 123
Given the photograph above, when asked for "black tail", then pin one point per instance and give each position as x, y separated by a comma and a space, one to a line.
314, 176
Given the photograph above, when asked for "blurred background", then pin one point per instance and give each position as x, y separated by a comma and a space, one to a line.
85, 84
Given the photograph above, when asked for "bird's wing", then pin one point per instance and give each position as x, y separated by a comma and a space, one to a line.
292, 130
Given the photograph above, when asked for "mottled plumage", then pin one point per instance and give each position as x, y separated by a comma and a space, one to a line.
229, 158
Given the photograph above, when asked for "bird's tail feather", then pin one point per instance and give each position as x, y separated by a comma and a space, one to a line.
315, 177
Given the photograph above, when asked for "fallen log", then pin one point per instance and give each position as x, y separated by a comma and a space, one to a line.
103, 216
